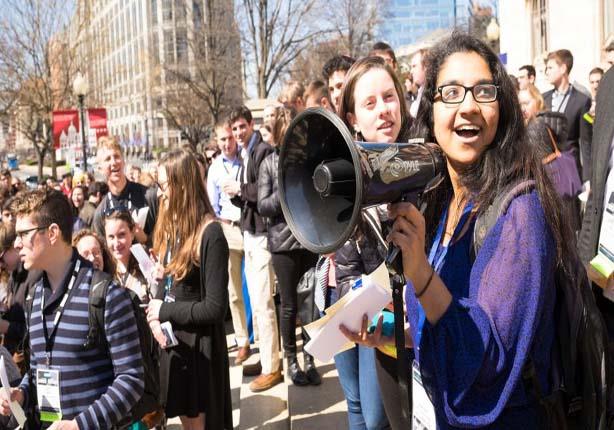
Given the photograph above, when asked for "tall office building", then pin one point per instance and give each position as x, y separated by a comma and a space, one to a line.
129, 47
409, 20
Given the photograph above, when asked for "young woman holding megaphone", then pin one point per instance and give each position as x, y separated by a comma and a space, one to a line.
477, 316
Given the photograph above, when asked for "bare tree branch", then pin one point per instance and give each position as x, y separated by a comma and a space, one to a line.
200, 94
274, 33
38, 59
353, 24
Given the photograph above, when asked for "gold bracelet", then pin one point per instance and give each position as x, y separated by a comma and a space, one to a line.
426, 286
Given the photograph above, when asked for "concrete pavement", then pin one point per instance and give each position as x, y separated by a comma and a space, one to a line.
285, 406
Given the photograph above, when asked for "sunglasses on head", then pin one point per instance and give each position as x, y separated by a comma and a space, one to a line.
119, 208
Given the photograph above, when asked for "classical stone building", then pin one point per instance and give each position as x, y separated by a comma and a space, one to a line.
532, 28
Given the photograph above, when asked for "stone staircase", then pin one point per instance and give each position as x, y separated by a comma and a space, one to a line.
285, 406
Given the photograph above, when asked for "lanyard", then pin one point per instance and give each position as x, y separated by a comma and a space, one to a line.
112, 204
437, 256
232, 164
168, 282
50, 340
565, 97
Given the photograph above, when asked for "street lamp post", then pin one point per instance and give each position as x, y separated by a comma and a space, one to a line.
493, 32
80, 88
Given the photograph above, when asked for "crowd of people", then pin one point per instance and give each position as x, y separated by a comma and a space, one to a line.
102, 279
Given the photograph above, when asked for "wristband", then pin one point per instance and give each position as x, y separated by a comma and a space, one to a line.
426, 286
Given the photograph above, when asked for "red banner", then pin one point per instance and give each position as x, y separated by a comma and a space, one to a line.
65, 128
98, 121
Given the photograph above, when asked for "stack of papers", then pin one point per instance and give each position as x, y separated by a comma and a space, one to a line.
326, 338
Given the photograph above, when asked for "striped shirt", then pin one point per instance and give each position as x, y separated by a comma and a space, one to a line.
98, 386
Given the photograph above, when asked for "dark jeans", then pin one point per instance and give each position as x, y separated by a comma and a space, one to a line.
358, 378
289, 267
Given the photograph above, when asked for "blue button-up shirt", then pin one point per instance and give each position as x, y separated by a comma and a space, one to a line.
221, 170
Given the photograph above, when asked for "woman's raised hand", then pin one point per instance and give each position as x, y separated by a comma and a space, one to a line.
408, 234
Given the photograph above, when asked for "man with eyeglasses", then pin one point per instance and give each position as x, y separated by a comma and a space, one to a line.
12, 321
122, 192
77, 386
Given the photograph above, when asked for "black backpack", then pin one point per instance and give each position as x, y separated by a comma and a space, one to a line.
580, 377
150, 400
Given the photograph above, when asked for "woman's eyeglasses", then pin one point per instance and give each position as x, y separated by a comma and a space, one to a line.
455, 93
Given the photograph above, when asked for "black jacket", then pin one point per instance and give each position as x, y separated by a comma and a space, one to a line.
586, 142
280, 238
251, 220
361, 254
20, 284
577, 105
603, 133
588, 241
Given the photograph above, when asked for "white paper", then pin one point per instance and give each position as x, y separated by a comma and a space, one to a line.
146, 264
140, 216
327, 340
16, 408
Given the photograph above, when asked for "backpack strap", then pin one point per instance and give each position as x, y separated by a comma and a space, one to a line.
487, 219
96, 305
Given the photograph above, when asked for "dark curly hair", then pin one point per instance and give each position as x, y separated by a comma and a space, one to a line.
508, 159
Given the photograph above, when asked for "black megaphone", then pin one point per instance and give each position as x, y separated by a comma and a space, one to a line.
326, 178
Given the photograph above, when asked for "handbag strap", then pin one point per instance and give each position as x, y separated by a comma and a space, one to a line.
556, 153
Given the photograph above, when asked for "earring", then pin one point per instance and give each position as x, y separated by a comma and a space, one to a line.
356, 132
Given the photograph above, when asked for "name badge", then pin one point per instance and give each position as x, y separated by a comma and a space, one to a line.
423, 410
169, 298
48, 394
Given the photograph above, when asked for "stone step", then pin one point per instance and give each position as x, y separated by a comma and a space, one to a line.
284, 406
318, 407
265, 410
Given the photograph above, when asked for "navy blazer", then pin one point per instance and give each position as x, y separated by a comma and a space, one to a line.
577, 105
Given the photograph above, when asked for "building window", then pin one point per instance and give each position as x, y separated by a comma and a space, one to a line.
182, 46
197, 13
169, 47
156, 49
180, 11
167, 10
608, 19
154, 12
540, 27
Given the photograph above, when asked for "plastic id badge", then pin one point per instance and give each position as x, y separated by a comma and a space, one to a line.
423, 410
48, 394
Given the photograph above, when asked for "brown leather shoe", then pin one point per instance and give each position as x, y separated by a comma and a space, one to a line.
243, 354
266, 381
252, 369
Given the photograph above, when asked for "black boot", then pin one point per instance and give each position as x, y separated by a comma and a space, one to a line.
310, 369
295, 373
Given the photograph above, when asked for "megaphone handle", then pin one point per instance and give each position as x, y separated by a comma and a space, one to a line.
394, 259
